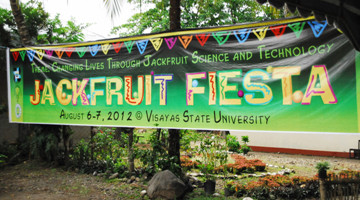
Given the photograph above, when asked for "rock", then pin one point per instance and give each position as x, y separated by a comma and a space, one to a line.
114, 176
108, 172
129, 181
247, 198
132, 178
165, 185
216, 195
95, 173
137, 179
143, 193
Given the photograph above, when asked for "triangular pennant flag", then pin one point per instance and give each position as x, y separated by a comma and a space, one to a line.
40, 53
15, 55
242, 35
105, 48
69, 51
81, 51
49, 53
59, 52
117, 46
260, 32
22, 54
129, 45
202, 38
297, 28
94, 49
318, 27
221, 37
30, 54
156, 43
170, 42
278, 30
185, 40
142, 45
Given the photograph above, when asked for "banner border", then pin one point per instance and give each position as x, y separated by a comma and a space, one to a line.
8, 82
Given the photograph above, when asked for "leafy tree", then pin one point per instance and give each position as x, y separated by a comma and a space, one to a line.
196, 14
40, 27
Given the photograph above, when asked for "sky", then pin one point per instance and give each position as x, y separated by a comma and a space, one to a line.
86, 11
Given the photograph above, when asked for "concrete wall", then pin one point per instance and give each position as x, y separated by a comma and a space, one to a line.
328, 144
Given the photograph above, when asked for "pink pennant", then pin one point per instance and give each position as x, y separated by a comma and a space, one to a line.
170, 41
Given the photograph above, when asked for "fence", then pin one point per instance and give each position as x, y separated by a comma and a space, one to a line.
342, 187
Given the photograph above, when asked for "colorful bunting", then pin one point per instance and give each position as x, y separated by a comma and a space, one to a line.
141, 44
297, 28
170, 42
260, 32
242, 35
81, 51
30, 54
105, 48
22, 54
129, 45
278, 30
49, 53
69, 51
185, 40
59, 52
40, 53
94, 49
117, 46
156, 43
221, 37
202, 38
15, 55
318, 27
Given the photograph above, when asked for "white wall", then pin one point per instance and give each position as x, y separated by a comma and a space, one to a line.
336, 142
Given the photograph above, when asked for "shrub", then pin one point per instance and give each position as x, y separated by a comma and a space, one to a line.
232, 143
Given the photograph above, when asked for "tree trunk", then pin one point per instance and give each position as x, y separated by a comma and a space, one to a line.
174, 15
174, 134
20, 23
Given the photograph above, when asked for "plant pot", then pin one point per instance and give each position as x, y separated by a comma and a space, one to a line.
209, 187
322, 174
228, 192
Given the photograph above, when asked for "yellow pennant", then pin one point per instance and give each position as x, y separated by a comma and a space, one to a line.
40, 53
105, 48
156, 43
260, 32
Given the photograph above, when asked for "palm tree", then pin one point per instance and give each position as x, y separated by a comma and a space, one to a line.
20, 23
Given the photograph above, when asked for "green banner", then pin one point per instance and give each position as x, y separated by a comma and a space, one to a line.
289, 75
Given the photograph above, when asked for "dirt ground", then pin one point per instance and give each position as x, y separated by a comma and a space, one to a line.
31, 180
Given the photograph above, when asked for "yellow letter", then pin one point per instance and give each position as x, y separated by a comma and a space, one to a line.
162, 80
114, 91
325, 90
35, 99
285, 74
48, 93
94, 92
128, 90
223, 78
191, 86
62, 97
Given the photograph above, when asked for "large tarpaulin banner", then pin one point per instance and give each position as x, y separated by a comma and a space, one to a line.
289, 75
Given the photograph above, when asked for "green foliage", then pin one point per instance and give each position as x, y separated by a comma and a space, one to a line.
157, 158
197, 13
2, 159
42, 28
245, 149
104, 152
322, 166
233, 144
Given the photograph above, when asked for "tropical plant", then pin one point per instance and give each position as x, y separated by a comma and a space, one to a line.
232, 143
322, 167
245, 149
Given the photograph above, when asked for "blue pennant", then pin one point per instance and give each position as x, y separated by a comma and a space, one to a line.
142, 45
94, 49
242, 35
30, 54
318, 28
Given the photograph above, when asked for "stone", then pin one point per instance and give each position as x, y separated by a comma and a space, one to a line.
143, 193
132, 178
115, 175
216, 195
137, 179
95, 173
247, 198
165, 185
